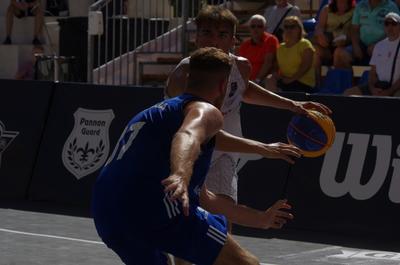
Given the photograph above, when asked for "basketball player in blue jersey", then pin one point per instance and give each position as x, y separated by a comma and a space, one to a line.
216, 27
146, 199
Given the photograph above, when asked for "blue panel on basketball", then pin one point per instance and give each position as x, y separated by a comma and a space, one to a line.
312, 133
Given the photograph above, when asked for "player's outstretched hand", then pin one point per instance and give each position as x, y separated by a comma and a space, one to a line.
302, 107
178, 188
275, 216
280, 151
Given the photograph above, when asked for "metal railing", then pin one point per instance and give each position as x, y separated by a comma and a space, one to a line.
123, 29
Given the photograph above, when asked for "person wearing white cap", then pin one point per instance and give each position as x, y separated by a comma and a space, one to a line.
384, 76
367, 29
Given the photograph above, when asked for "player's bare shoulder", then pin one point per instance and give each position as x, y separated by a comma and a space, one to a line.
243, 65
206, 113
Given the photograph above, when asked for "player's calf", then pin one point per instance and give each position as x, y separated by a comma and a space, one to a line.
233, 253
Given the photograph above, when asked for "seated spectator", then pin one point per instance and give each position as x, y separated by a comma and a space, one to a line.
295, 58
276, 14
367, 30
22, 9
384, 76
27, 69
260, 49
332, 30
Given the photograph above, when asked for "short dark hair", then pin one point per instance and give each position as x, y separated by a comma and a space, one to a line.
216, 15
208, 66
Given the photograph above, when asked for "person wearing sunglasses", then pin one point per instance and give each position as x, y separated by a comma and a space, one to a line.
295, 58
259, 49
384, 76
366, 30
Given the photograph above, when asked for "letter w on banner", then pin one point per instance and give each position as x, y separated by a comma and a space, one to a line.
88, 145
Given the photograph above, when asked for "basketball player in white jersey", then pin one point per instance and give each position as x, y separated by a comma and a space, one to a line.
216, 27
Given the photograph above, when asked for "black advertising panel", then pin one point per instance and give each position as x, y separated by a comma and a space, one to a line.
23, 112
85, 122
353, 189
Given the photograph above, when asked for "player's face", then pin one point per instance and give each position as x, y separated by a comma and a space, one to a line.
392, 28
220, 36
256, 28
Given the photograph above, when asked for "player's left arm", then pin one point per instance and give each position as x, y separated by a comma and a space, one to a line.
257, 95
273, 217
230, 143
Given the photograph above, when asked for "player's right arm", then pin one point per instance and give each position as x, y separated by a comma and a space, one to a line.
202, 121
177, 81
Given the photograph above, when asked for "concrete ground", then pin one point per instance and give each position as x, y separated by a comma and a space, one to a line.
47, 236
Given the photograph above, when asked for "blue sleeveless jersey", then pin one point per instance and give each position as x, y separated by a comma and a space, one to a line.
129, 186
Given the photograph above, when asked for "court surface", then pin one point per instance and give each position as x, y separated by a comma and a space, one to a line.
31, 235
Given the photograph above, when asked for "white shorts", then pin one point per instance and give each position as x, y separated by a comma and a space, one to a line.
222, 177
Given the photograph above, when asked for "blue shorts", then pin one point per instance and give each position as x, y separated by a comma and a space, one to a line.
197, 238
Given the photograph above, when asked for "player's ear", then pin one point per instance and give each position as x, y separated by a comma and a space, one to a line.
223, 85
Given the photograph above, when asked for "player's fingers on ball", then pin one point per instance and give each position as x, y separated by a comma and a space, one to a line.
322, 108
293, 151
285, 215
327, 110
293, 148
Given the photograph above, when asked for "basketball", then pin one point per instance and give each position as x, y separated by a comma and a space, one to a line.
313, 133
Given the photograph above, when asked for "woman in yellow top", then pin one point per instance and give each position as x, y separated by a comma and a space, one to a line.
295, 58
333, 29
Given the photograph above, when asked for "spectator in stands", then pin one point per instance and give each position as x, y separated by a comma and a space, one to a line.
332, 30
367, 30
260, 49
276, 14
384, 76
22, 9
27, 69
295, 58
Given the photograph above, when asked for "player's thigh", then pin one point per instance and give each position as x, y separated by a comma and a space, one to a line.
197, 238
222, 176
233, 253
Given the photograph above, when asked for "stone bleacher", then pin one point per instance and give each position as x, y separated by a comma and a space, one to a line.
22, 35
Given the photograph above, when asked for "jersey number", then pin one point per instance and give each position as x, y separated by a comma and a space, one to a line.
134, 130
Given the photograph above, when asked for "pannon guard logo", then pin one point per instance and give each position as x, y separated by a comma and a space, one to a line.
6, 137
87, 147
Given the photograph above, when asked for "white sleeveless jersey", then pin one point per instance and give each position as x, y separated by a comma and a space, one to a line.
232, 102
231, 106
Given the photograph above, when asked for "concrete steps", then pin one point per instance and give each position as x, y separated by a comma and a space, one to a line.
15, 56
